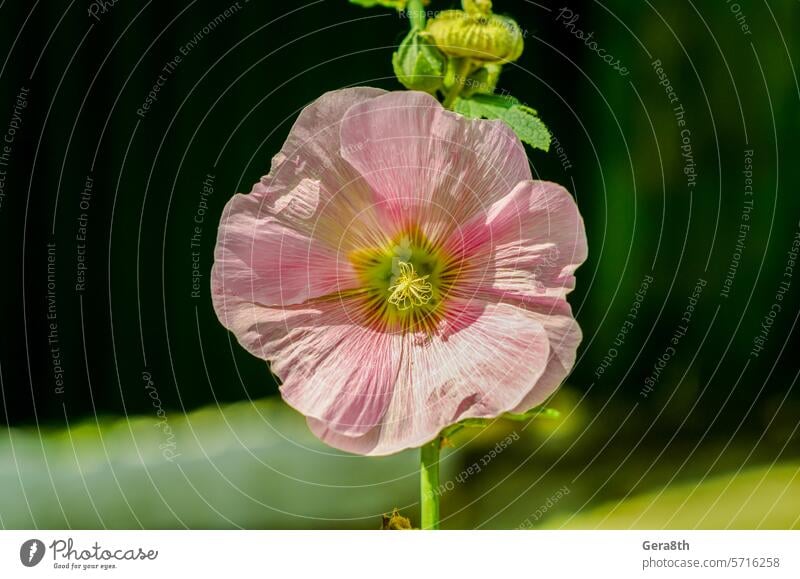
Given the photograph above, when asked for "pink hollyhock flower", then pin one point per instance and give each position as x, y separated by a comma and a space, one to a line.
401, 271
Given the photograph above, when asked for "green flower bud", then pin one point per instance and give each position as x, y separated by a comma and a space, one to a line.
482, 37
417, 64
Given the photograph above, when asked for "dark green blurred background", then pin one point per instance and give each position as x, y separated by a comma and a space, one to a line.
713, 444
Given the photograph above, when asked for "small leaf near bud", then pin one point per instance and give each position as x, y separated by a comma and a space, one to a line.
417, 64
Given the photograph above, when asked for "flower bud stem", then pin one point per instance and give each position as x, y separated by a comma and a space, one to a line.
429, 484
463, 69
416, 13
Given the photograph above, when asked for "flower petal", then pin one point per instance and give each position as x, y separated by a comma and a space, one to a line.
286, 241
565, 336
310, 188
260, 259
484, 363
429, 164
526, 246
332, 367
524, 251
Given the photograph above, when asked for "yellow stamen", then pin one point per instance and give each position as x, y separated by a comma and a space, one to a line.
409, 289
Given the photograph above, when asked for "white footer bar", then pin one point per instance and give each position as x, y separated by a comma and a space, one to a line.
407, 554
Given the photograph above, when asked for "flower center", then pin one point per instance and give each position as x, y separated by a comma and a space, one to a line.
409, 289
404, 282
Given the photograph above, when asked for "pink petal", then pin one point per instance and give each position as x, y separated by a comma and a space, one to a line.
287, 240
526, 246
565, 336
483, 364
331, 366
524, 251
429, 164
310, 187
262, 260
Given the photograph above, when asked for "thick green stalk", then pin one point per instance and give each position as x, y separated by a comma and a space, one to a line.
429, 484
463, 68
416, 13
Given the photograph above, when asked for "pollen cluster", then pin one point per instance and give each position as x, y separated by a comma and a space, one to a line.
410, 289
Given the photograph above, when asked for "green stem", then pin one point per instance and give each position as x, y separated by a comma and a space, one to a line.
463, 68
416, 13
429, 484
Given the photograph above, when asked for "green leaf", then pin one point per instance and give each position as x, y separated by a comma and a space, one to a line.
522, 119
398, 4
